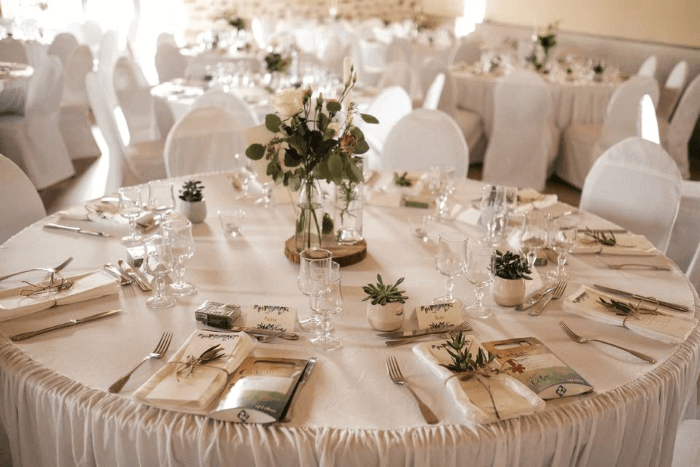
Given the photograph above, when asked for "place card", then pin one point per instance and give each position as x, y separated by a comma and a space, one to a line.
270, 317
438, 316
470, 216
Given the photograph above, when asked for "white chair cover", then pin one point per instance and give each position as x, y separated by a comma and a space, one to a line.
34, 141
79, 65
12, 50
231, 102
334, 54
204, 140
401, 74
672, 90
686, 452
91, 33
135, 100
636, 185
649, 124
468, 50
166, 38
676, 135
400, 50
63, 46
371, 60
425, 138
433, 93
584, 143
108, 54
648, 67
524, 141
427, 73
20, 204
685, 237
390, 106
469, 122
170, 63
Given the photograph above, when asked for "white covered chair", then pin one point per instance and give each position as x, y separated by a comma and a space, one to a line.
20, 204
390, 106
648, 67
204, 140
34, 141
334, 55
170, 63
400, 50
636, 185
135, 100
467, 50
582, 144
63, 46
686, 452
401, 74
649, 123
434, 92
108, 54
671, 92
370, 60
524, 142
425, 138
91, 35
231, 102
676, 134
685, 237
427, 73
12, 50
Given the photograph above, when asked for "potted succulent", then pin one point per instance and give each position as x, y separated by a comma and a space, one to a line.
385, 309
193, 205
510, 272
598, 71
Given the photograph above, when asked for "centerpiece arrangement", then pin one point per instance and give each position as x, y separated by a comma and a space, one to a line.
193, 205
385, 309
510, 273
314, 139
544, 42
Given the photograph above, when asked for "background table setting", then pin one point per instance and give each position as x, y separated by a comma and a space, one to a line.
349, 411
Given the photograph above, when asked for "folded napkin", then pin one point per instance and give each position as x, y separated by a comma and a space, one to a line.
512, 398
627, 244
671, 327
529, 199
86, 286
194, 393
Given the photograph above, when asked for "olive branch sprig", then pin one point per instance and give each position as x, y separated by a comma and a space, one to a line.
213, 353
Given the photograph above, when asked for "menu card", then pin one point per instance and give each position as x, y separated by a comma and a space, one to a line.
438, 316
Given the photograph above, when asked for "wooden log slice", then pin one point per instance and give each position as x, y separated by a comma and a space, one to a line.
345, 255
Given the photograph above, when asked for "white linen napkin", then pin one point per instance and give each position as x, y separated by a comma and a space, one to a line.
194, 393
671, 327
529, 199
627, 245
86, 286
512, 398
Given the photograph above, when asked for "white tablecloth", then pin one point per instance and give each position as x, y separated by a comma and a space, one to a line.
56, 411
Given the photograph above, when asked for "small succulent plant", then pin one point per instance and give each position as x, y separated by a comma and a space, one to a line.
192, 191
510, 265
327, 226
381, 294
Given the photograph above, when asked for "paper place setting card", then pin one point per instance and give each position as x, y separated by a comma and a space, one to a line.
270, 317
438, 316
625, 245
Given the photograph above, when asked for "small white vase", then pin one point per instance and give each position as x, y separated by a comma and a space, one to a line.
508, 292
195, 211
387, 317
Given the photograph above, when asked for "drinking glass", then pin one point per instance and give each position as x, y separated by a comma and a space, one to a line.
161, 198
533, 235
442, 182
562, 239
179, 232
130, 207
312, 261
231, 222
451, 260
158, 262
326, 302
493, 207
480, 274
510, 200
420, 225
266, 197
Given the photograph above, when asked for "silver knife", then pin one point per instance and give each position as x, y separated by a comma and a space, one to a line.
417, 332
123, 278
265, 332
129, 271
673, 306
73, 322
76, 229
304, 377
535, 297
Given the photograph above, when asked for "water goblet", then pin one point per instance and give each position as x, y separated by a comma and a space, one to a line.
492, 206
158, 262
451, 260
480, 274
563, 233
442, 182
179, 232
312, 262
161, 198
510, 200
420, 225
130, 207
326, 302
533, 235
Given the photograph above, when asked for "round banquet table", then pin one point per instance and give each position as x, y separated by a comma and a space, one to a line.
55, 409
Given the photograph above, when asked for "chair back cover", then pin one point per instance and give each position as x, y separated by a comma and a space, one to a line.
230, 102
334, 54
108, 54
680, 129
63, 46
390, 106
399, 51
79, 65
170, 63
648, 67
12, 50
91, 35
400, 74
649, 123
166, 38
467, 50
135, 101
424, 138
45, 88
372, 56
434, 92
20, 204
430, 69
636, 185
672, 90
520, 151
204, 140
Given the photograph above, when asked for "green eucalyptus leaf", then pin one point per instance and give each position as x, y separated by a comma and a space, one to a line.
273, 122
333, 106
323, 122
335, 165
255, 151
361, 147
329, 133
369, 118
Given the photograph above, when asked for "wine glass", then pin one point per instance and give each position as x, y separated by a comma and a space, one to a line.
312, 261
161, 198
510, 200
533, 235
130, 207
480, 274
493, 206
562, 239
179, 232
327, 301
451, 260
442, 182
158, 262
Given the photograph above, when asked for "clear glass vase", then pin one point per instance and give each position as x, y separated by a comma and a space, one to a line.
348, 213
309, 215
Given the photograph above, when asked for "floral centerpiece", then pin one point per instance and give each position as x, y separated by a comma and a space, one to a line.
311, 144
238, 23
544, 41
276, 63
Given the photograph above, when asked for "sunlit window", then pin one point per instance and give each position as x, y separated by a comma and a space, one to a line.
474, 12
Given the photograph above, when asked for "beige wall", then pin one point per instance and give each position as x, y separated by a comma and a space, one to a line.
665, 21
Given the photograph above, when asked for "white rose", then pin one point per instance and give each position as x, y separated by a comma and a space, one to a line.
288, 102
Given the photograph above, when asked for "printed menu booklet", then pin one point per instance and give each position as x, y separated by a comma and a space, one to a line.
260, 390
530, 361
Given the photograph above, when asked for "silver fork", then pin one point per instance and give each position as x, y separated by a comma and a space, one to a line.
158, 352
392, 367
582, 340
51, 270
464, 326
555, 294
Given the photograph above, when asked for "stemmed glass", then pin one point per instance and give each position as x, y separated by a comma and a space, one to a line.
158, 262
161, 198
533, 235
493, 207
510, 201
562, 239
312, 262
442, 182
179, 232
327, 301
480, 274
130, 207
451, 260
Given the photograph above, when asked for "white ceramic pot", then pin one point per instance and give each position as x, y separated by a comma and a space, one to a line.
195, 211
508, 292
388, 317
